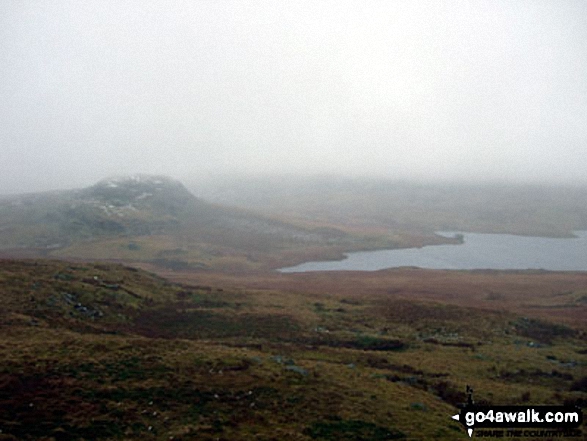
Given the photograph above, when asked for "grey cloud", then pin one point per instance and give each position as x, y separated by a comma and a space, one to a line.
412, 89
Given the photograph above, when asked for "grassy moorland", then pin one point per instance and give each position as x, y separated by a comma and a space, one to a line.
103, 351
550, 295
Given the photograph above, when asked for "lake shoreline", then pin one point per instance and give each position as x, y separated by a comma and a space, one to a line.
478, 251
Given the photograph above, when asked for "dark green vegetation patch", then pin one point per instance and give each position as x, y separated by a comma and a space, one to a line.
352, 430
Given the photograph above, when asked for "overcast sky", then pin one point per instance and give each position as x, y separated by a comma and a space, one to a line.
410, 89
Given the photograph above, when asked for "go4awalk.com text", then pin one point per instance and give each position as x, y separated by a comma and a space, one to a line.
520, 421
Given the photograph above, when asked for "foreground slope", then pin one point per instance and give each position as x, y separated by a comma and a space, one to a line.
103, 351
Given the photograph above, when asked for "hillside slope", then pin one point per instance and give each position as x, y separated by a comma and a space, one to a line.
130, 206
150, 218
102, 351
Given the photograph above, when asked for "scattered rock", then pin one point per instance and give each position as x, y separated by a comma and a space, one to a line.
297, 369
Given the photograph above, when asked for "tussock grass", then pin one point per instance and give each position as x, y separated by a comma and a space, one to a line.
203, 361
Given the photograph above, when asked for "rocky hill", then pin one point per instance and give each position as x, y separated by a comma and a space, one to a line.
121, 206
142, 206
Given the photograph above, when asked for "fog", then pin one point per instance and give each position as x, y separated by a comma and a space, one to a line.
455, 90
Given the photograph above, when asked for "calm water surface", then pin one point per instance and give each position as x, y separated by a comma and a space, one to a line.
479, 251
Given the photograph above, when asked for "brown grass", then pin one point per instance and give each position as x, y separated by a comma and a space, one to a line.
556, 296
273, 356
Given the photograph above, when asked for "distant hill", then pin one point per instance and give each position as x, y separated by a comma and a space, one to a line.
409, 207
145, 217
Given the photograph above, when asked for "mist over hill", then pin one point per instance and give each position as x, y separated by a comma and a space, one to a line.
271, 222
132, 206
409, 206
140, 213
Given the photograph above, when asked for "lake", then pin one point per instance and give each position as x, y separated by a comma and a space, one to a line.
479, 251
